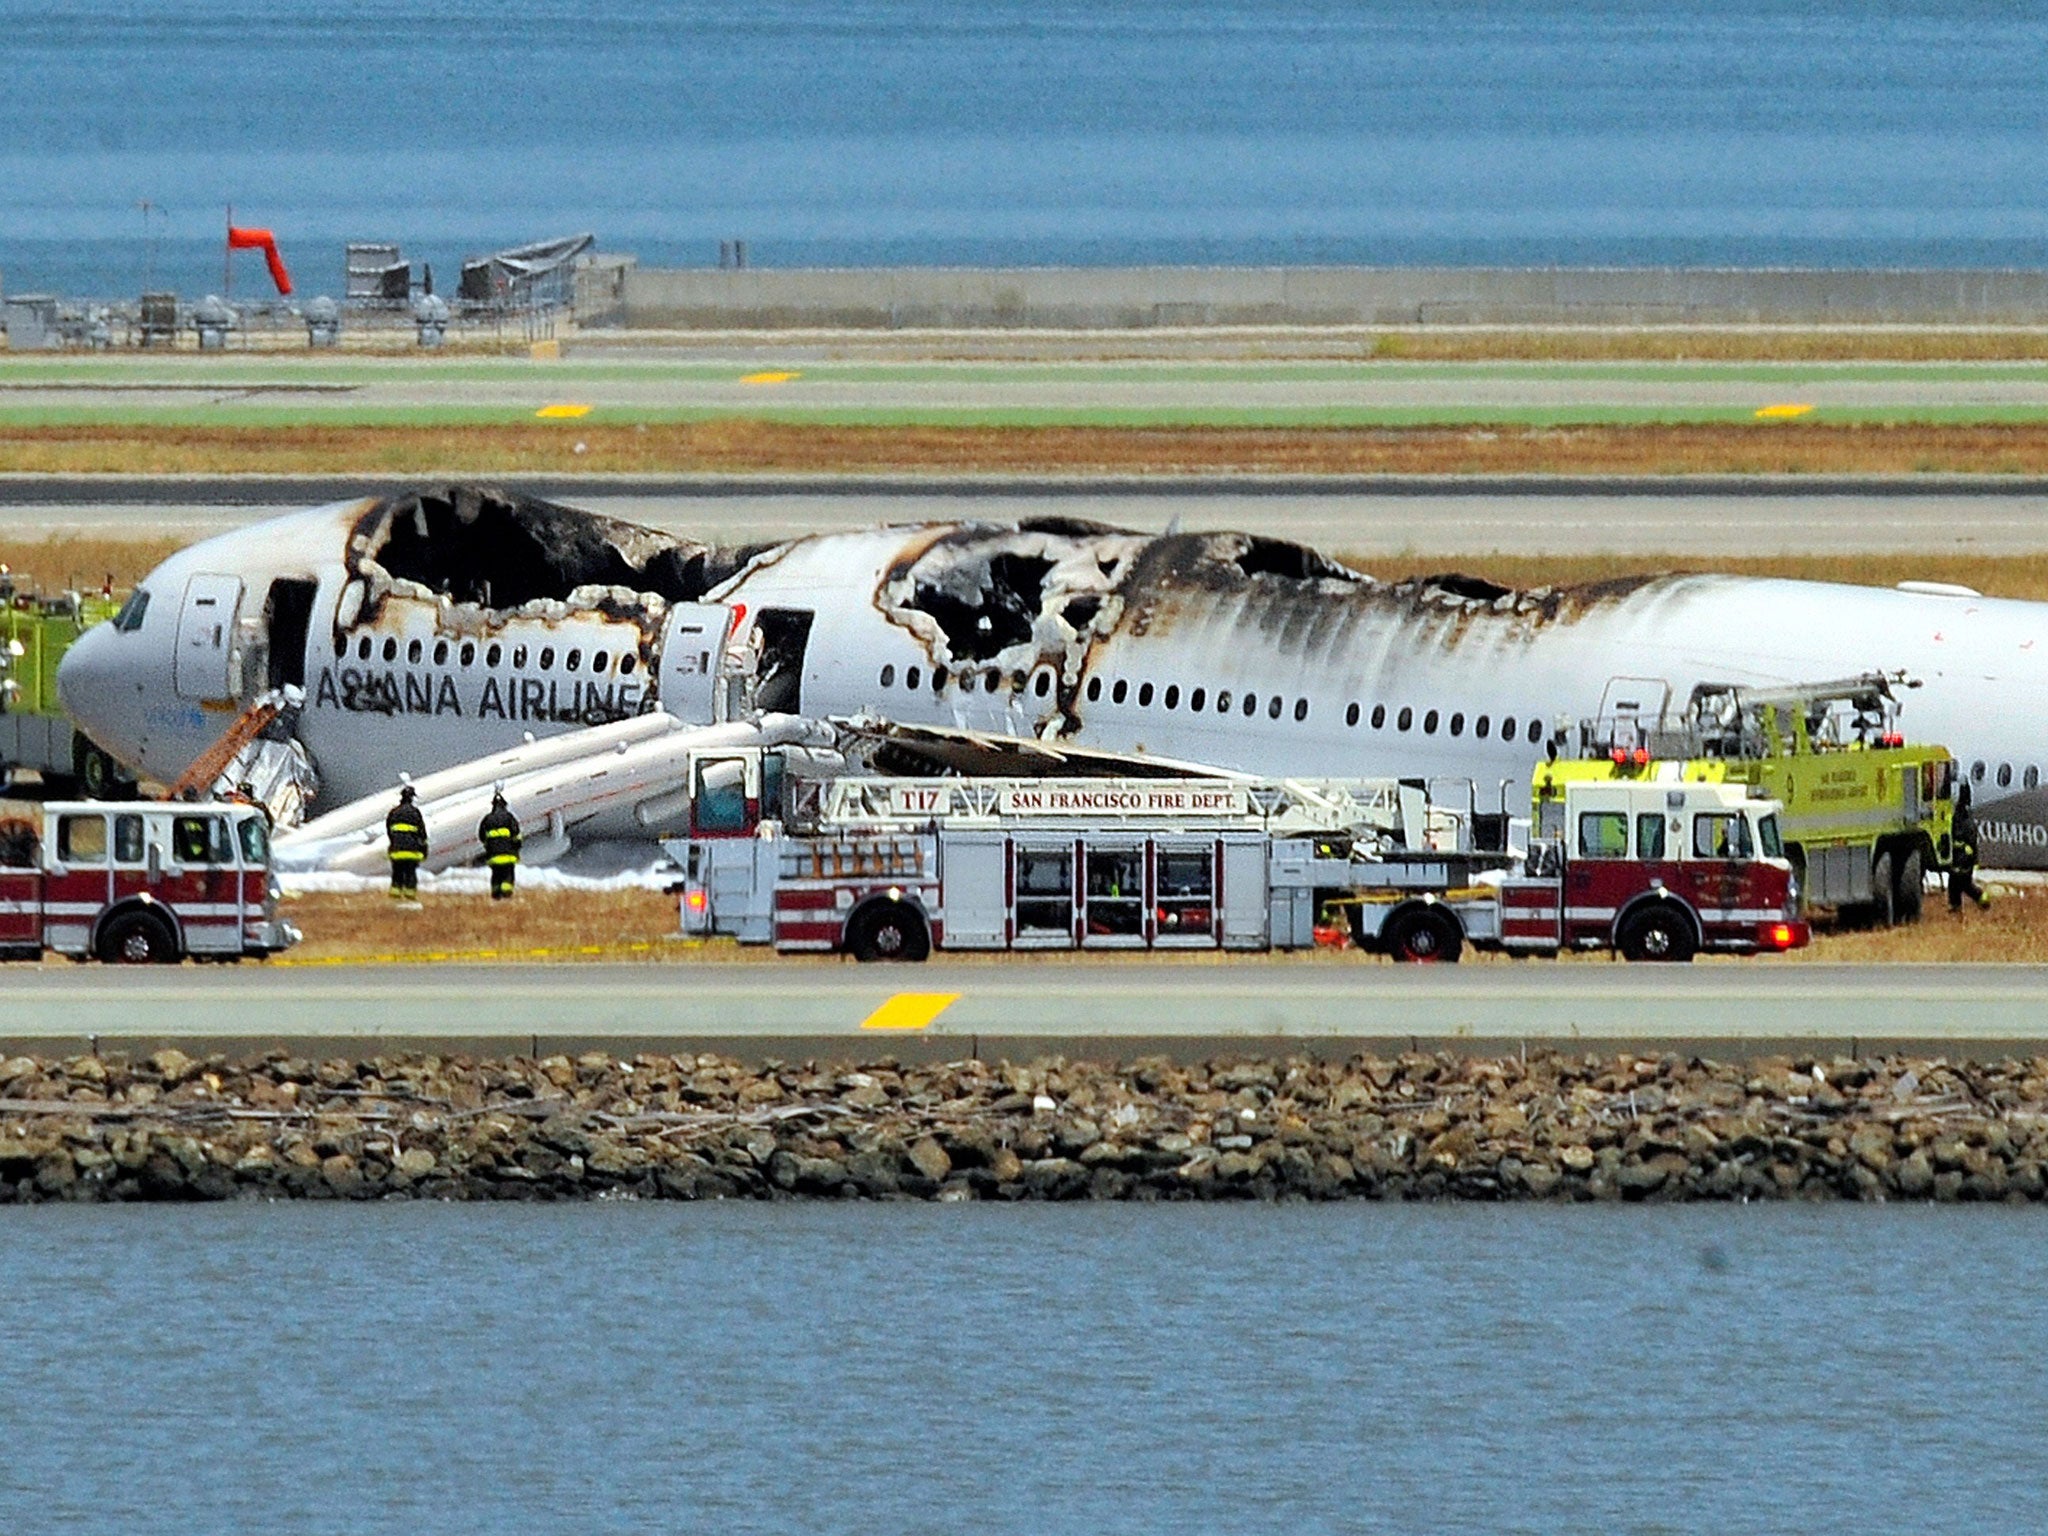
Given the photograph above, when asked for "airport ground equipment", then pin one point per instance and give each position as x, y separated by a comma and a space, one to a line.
140, 884
36, 629
891, 868
1866, 814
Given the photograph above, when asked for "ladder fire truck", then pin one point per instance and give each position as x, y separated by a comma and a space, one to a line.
1866, 815
884, 867
140, 884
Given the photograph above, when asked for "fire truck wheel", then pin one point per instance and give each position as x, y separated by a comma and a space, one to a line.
1420, 936
1657, 934
889, 930
137, 938
1912, 884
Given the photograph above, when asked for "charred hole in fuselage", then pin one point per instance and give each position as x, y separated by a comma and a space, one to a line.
1475, 588
984, 608
1294, 562
498, 550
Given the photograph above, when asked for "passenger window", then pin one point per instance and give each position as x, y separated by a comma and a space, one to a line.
1650, 836
362, 648
1119, 692
1404, 719
1273, 707
1481, 727
1094, 689
599, 661
1535, 731
1603, 834
82, 840
991, 682
1429, 723
627, 662
390, 649
1379, 716
573, 660
1251, 705
1301, 709
440, 653
128, 839
1144, 695
519, 658
1223, 701
1507, 727
468, 652
1720, 835
201, 840
1042, 684
1045, 890
1767, 837
2004, 775
938, 682
1351, 713
1977, 773
889, 676
2031, 778
1457, 725
1172, 698
413, 652
912, 678
1198, 699
547, 658
494, 655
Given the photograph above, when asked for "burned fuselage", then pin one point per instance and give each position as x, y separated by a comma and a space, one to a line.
441, 627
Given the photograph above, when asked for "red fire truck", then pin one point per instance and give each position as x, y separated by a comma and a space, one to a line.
140, 884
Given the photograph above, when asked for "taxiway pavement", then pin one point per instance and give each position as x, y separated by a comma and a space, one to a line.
992, 1009
1367, 517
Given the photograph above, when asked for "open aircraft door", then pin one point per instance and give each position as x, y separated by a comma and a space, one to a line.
206, 638
693, 642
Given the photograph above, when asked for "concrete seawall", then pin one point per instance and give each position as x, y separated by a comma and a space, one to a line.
1126, 298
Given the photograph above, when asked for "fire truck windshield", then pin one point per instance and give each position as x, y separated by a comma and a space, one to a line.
255, 840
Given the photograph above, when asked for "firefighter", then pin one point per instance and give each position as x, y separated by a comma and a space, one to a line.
499, 833
1962, 866
405, 834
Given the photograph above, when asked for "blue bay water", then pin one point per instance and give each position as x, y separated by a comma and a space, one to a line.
1093, 131
1044, 1370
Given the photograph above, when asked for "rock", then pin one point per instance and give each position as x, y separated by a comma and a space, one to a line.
415, 1162
172, 1065
1913, 1176
930, 1159
1005, 1166
1577, 1157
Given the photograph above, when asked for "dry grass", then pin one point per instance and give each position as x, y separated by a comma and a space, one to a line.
1719, 345
641, 925
738, 446
80, 561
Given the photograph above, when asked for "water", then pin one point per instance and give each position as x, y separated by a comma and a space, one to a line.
1043, 1370
1020, 131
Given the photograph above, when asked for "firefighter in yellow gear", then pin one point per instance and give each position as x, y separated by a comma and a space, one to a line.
405, 837
499, 833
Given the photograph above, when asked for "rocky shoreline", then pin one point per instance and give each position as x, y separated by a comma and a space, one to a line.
1442, 1127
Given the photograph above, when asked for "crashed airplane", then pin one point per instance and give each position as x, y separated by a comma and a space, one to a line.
433, 629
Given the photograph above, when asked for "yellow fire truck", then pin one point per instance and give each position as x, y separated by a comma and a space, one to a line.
1866, 816
36, 629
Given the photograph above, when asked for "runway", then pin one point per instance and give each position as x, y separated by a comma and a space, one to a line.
1365, 517
946, 1011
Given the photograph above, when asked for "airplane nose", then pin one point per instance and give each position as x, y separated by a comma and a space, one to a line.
86, 686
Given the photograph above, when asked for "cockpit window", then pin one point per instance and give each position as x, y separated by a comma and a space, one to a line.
129, 619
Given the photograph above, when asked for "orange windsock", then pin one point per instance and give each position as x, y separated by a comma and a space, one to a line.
262, 240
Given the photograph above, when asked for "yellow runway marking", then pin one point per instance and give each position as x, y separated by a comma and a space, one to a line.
910, 1010
1782, 412
770, 377
566, 411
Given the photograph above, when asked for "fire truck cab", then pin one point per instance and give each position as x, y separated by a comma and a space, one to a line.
140, 884
1658, 871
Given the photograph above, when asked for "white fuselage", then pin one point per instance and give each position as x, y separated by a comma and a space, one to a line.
1262, 673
